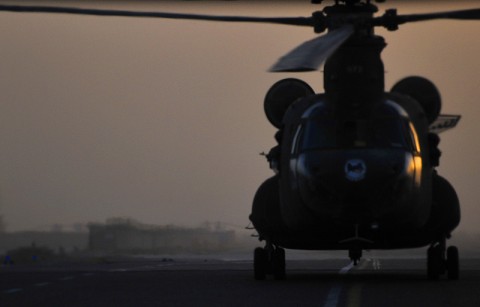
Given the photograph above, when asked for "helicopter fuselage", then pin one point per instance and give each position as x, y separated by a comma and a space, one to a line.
347, 172
353, 180
355, 166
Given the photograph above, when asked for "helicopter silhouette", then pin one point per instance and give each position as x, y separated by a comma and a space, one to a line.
355, 167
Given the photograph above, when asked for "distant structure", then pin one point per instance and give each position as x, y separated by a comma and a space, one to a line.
124, 235
67, 241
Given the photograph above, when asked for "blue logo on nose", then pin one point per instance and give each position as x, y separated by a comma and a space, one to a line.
355, 169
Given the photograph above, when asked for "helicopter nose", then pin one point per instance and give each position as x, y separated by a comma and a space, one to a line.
356, 167
328, 181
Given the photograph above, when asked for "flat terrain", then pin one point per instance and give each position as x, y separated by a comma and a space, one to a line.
210, 281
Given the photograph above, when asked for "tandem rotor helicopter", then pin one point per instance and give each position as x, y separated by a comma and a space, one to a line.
355, 167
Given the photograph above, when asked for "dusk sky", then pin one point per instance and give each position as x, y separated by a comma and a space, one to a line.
163, 121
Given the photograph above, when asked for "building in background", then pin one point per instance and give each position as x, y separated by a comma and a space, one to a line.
125, 235
58, 241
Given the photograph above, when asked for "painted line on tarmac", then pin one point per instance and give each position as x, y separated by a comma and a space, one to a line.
334, 293
354, 294
67, 278
376, 264
10, 291
142, 268
118, 270
364, 264
347, 268
42, 284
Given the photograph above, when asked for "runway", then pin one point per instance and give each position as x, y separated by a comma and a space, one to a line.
206, 281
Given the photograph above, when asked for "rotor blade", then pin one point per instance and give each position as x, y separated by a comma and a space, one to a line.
311, 54
390, 19
472, 14
296, 21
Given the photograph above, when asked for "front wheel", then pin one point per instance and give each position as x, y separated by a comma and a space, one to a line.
260, 263
452, 263
279, 263
435, 261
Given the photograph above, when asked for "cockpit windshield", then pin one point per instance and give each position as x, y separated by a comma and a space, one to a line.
324, 133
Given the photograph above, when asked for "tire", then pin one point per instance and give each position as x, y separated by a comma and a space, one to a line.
279, 264
452, 263
260, 263
434, 262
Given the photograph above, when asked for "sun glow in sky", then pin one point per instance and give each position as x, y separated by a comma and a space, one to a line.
163, 121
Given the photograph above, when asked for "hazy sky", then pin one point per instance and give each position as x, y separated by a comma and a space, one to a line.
163, 120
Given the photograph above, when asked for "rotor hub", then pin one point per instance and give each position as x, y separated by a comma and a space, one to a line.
358, 14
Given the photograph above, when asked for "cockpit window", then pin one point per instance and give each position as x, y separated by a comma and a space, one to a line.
323, 133
390, 133
319, 134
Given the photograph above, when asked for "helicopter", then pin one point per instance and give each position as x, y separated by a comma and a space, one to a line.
355, 167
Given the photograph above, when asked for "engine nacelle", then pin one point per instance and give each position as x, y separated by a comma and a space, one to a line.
281, 95
423, 91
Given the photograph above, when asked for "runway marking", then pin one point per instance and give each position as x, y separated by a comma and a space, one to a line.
10, 291
44, 284
354, 296
67, 278
333, 295
164, 265
142, 268
336, 290
347, 268
364, 264
376, 265
118, 270
355, 293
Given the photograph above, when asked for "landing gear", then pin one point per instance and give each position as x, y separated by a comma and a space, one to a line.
278, 264
355, 255
435, 262
269, 261
452, 263
260, 263
441, 260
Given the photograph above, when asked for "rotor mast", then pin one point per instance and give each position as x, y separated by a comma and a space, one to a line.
354, 74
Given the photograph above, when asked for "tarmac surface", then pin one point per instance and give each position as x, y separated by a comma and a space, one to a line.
226, 281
